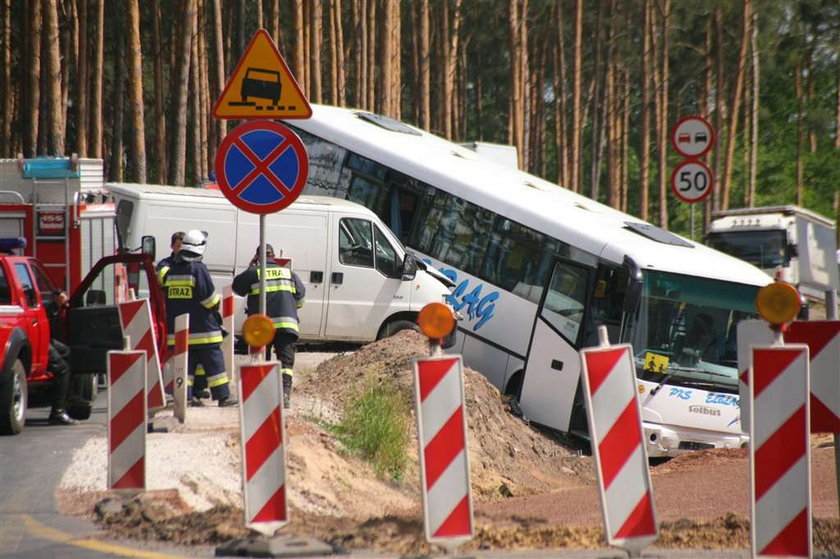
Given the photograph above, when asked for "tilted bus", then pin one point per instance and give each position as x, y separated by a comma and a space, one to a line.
538, 268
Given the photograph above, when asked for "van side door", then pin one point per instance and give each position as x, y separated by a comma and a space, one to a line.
38, 325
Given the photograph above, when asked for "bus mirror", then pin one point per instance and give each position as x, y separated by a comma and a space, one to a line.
634, 286
147, 245
409, 268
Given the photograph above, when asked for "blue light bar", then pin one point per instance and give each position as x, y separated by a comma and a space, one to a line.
8, 244
49, 168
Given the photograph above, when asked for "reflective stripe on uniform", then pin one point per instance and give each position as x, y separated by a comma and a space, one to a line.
289, 322
217, 380
289, 372
211, 301
181, 280
162, 273
299, 304
212, 337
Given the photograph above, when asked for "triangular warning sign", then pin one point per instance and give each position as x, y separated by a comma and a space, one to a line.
262, 86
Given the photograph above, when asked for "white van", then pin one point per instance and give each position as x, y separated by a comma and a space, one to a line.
361, 285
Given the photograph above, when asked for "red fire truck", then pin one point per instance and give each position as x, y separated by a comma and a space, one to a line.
60, 223
60, 206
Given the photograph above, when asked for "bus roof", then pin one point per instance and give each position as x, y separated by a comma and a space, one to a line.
522, 197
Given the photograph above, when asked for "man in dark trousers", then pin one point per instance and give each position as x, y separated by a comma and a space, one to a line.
284, 294
58, 363
189, 290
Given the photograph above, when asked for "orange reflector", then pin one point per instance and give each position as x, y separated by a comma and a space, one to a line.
258, 330
436, 320
778, 303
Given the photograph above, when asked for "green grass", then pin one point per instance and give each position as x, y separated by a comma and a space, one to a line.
376, 427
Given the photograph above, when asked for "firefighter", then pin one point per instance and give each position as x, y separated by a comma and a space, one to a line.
189, 289
284, 293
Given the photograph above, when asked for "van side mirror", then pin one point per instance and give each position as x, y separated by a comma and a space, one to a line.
147, 245
409, 267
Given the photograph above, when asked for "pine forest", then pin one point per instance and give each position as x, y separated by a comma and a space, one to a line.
587, 91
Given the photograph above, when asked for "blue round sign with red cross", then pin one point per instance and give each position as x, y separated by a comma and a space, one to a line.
261, 166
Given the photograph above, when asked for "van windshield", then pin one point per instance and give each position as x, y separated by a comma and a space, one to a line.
685, 330
764, 249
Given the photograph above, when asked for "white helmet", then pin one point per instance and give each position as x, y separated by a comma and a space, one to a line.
193, 245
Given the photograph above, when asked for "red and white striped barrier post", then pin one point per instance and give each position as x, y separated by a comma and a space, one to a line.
136, 322
127, 419
615, 428
263, 448
178, 364
228, 325
823, 340
444, 464
780, 471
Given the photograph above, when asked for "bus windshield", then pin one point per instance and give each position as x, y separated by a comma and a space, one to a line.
684, 332
765, 249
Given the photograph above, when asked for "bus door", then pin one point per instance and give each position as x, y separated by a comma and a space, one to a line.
552, 367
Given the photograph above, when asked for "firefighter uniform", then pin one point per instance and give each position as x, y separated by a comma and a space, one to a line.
189, 290
284, 295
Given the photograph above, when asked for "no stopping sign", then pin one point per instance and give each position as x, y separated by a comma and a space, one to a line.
692, 181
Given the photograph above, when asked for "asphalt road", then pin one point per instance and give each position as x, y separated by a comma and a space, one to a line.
31, 467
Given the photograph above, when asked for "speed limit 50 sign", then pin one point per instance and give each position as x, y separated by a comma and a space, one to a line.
692, 181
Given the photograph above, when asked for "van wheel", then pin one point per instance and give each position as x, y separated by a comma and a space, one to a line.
80, 396
13, 401
397, 326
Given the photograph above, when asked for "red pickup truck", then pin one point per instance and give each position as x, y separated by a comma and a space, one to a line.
90, 327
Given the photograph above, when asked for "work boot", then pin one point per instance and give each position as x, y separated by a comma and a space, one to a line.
287, 391
228, 401
60, 417
196, 403
205, 394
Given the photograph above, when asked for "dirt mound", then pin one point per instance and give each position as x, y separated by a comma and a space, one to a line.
507, 456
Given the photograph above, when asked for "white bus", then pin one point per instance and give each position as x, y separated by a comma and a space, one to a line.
538, 268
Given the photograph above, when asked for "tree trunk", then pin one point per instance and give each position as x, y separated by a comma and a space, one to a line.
274, 21
450, 59
299, 53
385, 63
159, 151
359, 16
754, 109
68, 30
800, 133
720, 105
424, 71
516, 102
561, 137
396, 68
597, 124
194, 97
315, 39
180, 78
370, 53
135, 93
82, 83
736, 105
577, 79
644, 150
96, 81
6, 87
663, 118
52, 66
116, 167
219, 63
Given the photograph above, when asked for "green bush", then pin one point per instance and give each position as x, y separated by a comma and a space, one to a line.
376, 427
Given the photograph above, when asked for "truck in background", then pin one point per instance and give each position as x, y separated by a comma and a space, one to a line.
60, 206
361, 284
787, 242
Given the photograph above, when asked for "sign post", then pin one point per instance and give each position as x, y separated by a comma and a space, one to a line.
262, 167
692, 181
